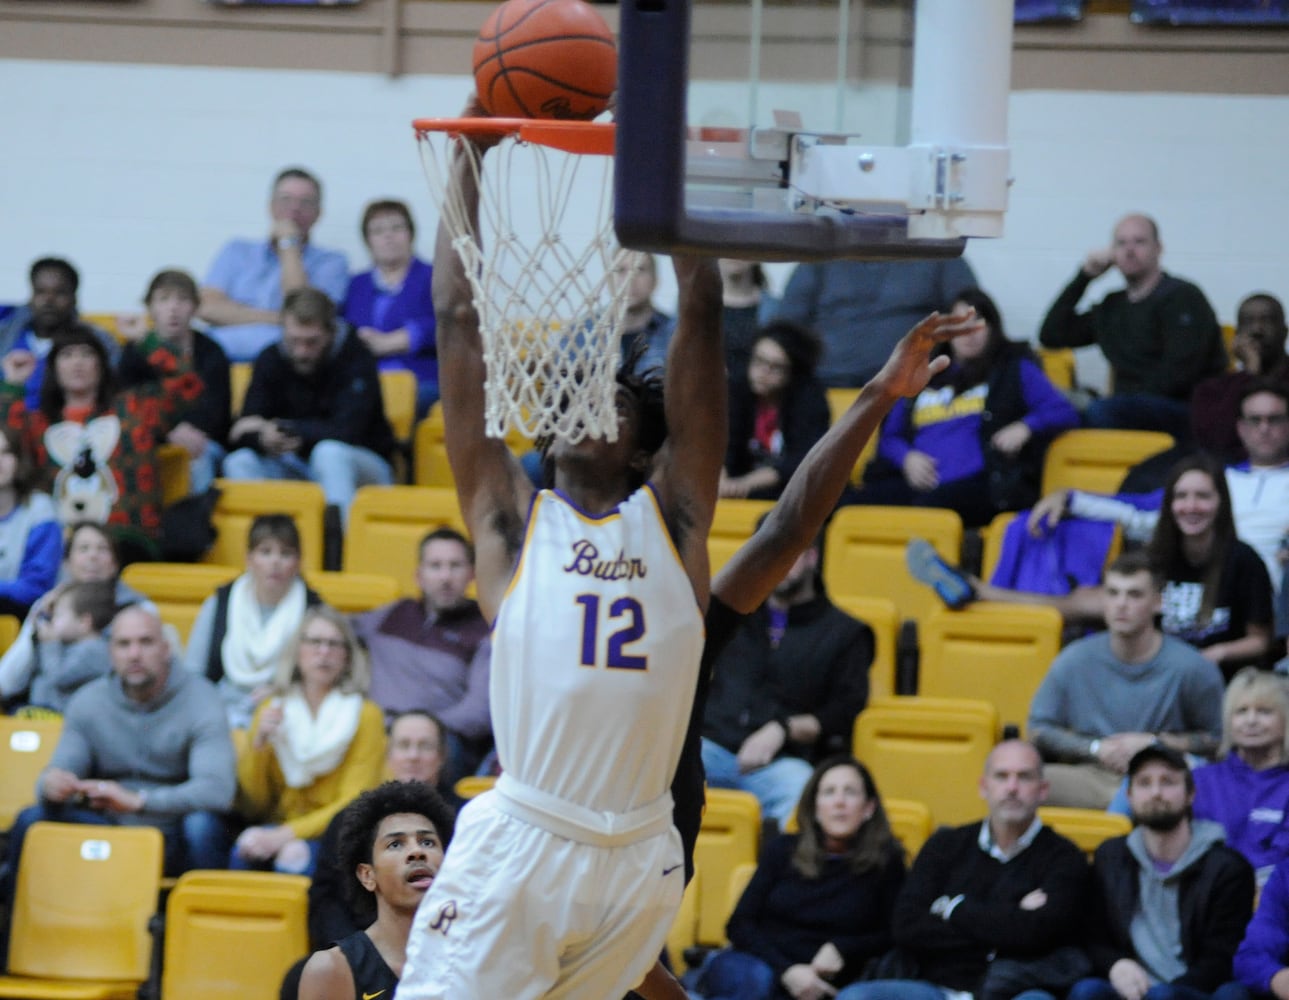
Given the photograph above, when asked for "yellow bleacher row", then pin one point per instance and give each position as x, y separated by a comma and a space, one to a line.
84, 905
928, 750
922, 750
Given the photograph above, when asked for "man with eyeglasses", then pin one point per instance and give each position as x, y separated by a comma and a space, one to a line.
244, 289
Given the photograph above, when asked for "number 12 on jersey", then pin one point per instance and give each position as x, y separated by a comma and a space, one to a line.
624, 624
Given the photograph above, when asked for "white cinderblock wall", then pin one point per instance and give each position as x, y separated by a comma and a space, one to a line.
125, 169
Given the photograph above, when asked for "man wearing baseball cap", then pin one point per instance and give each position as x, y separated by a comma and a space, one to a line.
1170, 901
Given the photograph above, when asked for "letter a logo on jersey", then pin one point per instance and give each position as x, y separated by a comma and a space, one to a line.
447, 914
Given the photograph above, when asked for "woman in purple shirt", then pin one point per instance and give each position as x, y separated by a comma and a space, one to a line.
973, 440
1247, 790
390, 305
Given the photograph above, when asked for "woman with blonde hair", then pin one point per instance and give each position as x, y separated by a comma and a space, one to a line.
314, 746
1247, 789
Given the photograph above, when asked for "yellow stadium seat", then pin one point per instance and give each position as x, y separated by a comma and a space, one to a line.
839, 401
233, 934
997, 652
739, 878
733, 524
10, 626
177, 589
880, 615
992, 535
81, 911
931, 750
176, 473
730, 836
239, 380
25, 748
684, 929
1088, 828
387, 523
1097, 460
240, 501
472, 785
1058, 366
109, 322
430, 455
398, 392
864, 553
354, 592
1228, 341
910, 822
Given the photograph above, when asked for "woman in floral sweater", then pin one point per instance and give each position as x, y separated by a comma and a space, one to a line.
98, 446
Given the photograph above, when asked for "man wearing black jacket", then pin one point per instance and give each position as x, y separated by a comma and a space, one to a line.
1170, 901
313, 409
1007, 888
785, 691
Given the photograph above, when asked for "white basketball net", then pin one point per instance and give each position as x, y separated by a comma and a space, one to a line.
540, 267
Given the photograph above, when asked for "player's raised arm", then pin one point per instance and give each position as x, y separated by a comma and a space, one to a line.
491, 486
748, 578
688, 471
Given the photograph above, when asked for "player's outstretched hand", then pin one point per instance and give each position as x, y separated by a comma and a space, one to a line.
910, 366
482, 141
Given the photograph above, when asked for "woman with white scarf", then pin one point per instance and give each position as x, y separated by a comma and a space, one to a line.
315, 745
242, 634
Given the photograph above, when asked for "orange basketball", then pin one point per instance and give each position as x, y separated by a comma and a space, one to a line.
545, 59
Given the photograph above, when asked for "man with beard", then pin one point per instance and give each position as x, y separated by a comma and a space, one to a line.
785, 691
1170, 900
28, 332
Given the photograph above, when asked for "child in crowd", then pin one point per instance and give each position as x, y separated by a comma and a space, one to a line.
71, 649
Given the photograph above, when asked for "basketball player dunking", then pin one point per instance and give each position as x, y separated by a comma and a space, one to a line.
563, 880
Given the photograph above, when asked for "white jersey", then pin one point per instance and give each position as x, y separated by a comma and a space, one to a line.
595, 655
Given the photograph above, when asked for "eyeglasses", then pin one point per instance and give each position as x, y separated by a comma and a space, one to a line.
323, 642
770, 365
1269, 419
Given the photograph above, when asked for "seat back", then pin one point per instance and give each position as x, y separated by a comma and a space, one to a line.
992, 535
881, 616
1088, 828
839, 401
387, 523
25, 748
910, 822
177, 589
84, 900
1058, 366
10, 626
997, 652
352, 593
240, 501
729, 836
472, 785
176, 473
398, 393
1097, 460
239, 380
430, 454
684, 929
733, 524
932, 750
864, 553
234, 934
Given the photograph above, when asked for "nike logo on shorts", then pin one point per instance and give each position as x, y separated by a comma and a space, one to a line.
668, 871
372, 996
